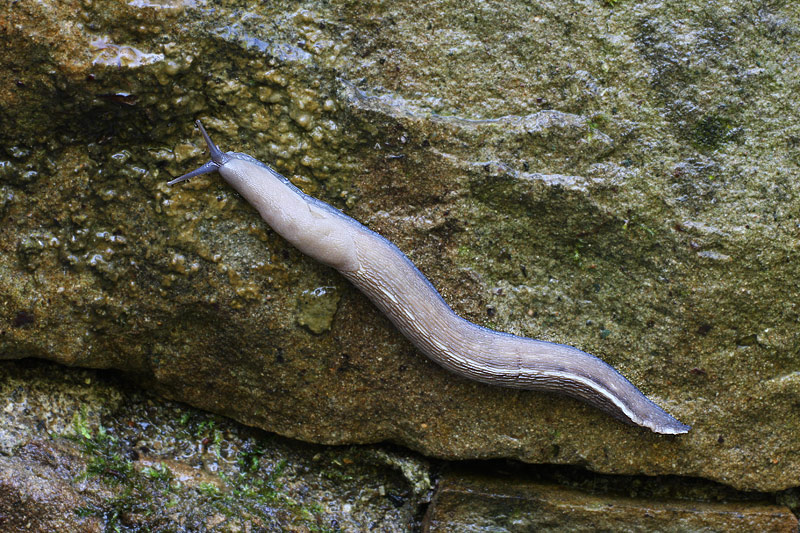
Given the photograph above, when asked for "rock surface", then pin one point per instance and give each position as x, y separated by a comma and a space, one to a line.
81, 452
615, 177
478, 503
36, 494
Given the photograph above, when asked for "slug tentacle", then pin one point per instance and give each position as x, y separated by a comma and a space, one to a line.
218, 158
205, 169
392, 282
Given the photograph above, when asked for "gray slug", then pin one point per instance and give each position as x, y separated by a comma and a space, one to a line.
388, 278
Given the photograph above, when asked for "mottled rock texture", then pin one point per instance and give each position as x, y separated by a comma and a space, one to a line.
514, 504
617, 176
36, 494
81, 451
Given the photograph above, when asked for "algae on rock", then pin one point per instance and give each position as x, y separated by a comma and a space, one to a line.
618, 178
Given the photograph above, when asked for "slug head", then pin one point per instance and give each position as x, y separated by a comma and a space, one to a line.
218, 158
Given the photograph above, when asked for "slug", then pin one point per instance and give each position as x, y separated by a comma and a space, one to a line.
396, 287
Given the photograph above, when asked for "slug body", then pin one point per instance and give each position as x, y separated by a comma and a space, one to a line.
392, 282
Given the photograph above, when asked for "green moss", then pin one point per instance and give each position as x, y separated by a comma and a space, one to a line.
102, 449
255, 481
158, 473
209, 489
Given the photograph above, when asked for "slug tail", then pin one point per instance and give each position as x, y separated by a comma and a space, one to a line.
664, 423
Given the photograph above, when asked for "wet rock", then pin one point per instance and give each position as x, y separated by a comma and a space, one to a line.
79, 452
618, 178
316, 308
36, 494
478, 503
